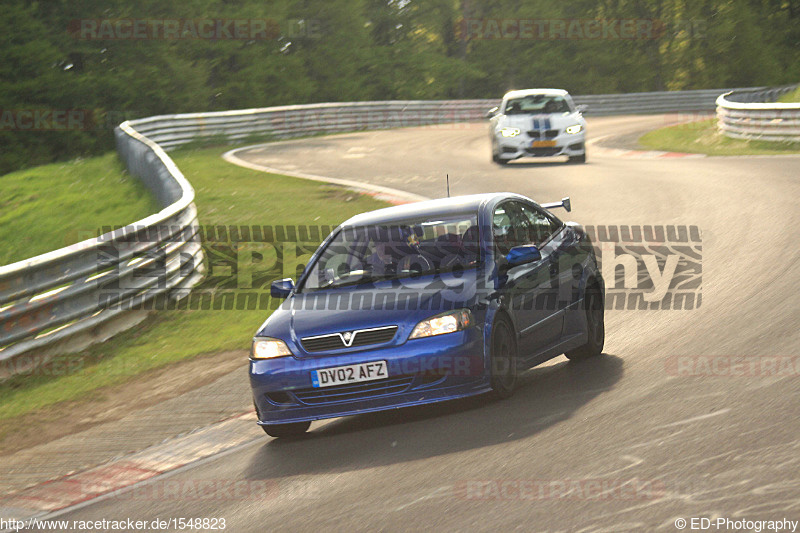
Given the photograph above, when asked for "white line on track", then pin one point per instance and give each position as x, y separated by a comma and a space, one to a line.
379, 190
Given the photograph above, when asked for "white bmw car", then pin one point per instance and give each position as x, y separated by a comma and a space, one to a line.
537, 123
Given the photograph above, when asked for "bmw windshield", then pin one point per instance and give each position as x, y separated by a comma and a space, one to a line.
537, 104
412, 248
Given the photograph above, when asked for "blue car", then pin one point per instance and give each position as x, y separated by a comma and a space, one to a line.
426, 302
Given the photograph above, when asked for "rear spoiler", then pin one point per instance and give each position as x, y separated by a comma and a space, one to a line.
563, 203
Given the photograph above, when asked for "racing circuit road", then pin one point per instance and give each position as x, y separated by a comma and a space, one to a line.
710, 445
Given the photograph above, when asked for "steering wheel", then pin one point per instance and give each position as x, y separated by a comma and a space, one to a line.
414, 263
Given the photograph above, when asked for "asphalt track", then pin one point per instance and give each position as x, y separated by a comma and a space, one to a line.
660, 445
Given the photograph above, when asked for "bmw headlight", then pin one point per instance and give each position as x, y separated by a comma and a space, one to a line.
269, 348
575, 128
509, 132
440, 324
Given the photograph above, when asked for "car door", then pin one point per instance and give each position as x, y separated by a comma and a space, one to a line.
555, 244
529, 288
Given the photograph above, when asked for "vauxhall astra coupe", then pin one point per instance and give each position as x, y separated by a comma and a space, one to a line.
426, 302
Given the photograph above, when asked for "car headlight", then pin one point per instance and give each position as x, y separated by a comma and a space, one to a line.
448, 322
509, 132
269, 348
575, 128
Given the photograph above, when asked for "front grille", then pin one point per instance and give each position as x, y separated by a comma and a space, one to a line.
361, 337
354, 391
321, 344
543, 134
543, 151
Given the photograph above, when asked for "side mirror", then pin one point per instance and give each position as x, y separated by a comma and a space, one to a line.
520, 255
492, 112
582, 108
281, 288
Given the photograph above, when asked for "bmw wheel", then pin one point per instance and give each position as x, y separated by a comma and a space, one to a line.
496, 159
501, 162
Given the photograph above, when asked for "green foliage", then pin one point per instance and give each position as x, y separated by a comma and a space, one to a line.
44, 208
791, 97
344, 50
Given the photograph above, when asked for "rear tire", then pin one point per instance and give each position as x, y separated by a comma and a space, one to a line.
578, 158
595, 326
282, 431
503, 359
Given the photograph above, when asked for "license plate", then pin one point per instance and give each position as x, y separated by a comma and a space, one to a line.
341, 375
543, 144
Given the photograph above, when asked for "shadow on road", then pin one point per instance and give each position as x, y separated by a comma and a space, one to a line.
546, 396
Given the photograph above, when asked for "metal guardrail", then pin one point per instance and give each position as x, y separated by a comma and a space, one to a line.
283, 122
754, 114
650, 103
74, 290
54, 296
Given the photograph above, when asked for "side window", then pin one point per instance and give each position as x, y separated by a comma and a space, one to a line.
541, 225
501, 229
510, 227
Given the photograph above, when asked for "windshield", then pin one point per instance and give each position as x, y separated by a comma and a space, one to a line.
406, 249
537, 104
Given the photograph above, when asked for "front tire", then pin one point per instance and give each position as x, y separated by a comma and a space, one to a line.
577, 158
503, 359
282, 431
496, 159
595, 326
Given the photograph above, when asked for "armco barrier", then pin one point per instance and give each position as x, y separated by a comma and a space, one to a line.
52, 297
753, 114
77, 289
282, 122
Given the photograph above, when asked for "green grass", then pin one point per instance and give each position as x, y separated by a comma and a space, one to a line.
702, 137
46, 208
225, 195
792, 97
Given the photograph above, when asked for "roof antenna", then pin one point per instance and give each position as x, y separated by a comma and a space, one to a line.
448, 185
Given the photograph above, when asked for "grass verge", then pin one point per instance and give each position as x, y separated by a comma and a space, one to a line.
45, 208
225, 195
702, 137
792, 97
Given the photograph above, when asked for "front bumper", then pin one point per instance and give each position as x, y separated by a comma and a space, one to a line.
509, 148
421, 371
